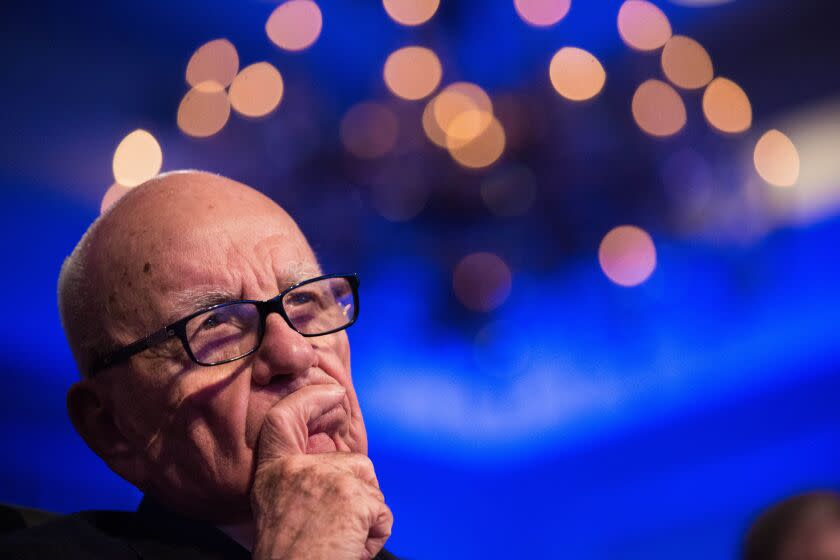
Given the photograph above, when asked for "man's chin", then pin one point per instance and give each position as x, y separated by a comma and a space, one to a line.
320, 443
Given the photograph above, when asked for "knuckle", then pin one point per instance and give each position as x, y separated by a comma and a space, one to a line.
387, 516
347, 486
278, 417
322, 470
293, 463
366, 463
361, 458
377, 493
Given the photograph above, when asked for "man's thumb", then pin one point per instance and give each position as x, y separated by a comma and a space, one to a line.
285, 427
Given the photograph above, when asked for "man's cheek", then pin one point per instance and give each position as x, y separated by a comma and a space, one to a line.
141, 415
336, 364
255, 417
225, 409
335, 347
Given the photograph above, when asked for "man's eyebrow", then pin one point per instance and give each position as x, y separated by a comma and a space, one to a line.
298, 272
186, 302
191, 300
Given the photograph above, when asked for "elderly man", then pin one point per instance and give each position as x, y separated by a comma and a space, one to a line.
216, 379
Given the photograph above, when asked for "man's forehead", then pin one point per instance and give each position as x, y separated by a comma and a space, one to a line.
227, 264
183, 301
194, 213
212, 263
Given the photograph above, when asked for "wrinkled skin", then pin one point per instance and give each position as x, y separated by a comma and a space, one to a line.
319, 490
273, 443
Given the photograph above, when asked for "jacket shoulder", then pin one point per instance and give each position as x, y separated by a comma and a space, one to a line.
80, 535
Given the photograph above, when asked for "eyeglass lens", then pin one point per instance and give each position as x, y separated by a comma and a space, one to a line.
224, 333
231, 331
321, 306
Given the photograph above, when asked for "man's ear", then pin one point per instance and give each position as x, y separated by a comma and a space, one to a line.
92, 414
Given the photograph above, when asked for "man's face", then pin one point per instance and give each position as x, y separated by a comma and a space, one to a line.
194, 430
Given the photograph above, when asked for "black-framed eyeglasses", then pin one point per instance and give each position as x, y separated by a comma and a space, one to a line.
232, 330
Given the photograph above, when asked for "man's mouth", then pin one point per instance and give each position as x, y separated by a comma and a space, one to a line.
324, 428
320, 443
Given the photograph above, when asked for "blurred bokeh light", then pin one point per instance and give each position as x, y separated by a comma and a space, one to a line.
476, 139
137, 159
576, 74
726, 106
294, 25
398, 193
430, 124
215, 61
686, 63
690, 184
627, 255
369, 129
495, 354
813, 131
204, 110
776, 159
113, 194
257, 90
658, 109
459, 99
542, 13
442, 113
411, 12
642, 25
700, 3
482, 281
399, 202
466, 126
412, 72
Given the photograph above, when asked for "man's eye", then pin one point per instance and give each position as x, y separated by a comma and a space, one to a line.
302, 298
212, 321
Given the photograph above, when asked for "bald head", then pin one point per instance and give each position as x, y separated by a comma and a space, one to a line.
183, 430
803, 527
148, 240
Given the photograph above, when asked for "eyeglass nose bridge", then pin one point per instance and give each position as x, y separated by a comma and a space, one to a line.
274, 305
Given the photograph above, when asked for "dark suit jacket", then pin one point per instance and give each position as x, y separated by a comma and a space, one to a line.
151, 533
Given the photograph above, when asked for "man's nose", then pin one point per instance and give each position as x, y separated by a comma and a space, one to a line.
284, 351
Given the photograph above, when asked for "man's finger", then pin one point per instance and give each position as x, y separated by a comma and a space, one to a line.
379, 531
358, 464
284, 430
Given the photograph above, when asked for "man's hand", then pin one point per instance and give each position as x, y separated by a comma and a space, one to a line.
316, 506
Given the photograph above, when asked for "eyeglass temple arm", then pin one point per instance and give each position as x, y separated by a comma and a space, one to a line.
135, 347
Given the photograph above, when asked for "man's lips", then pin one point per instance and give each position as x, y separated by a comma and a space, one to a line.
323, 430
328, 428
320, 443
332, 421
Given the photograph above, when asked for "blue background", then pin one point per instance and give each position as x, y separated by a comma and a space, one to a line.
598, 421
